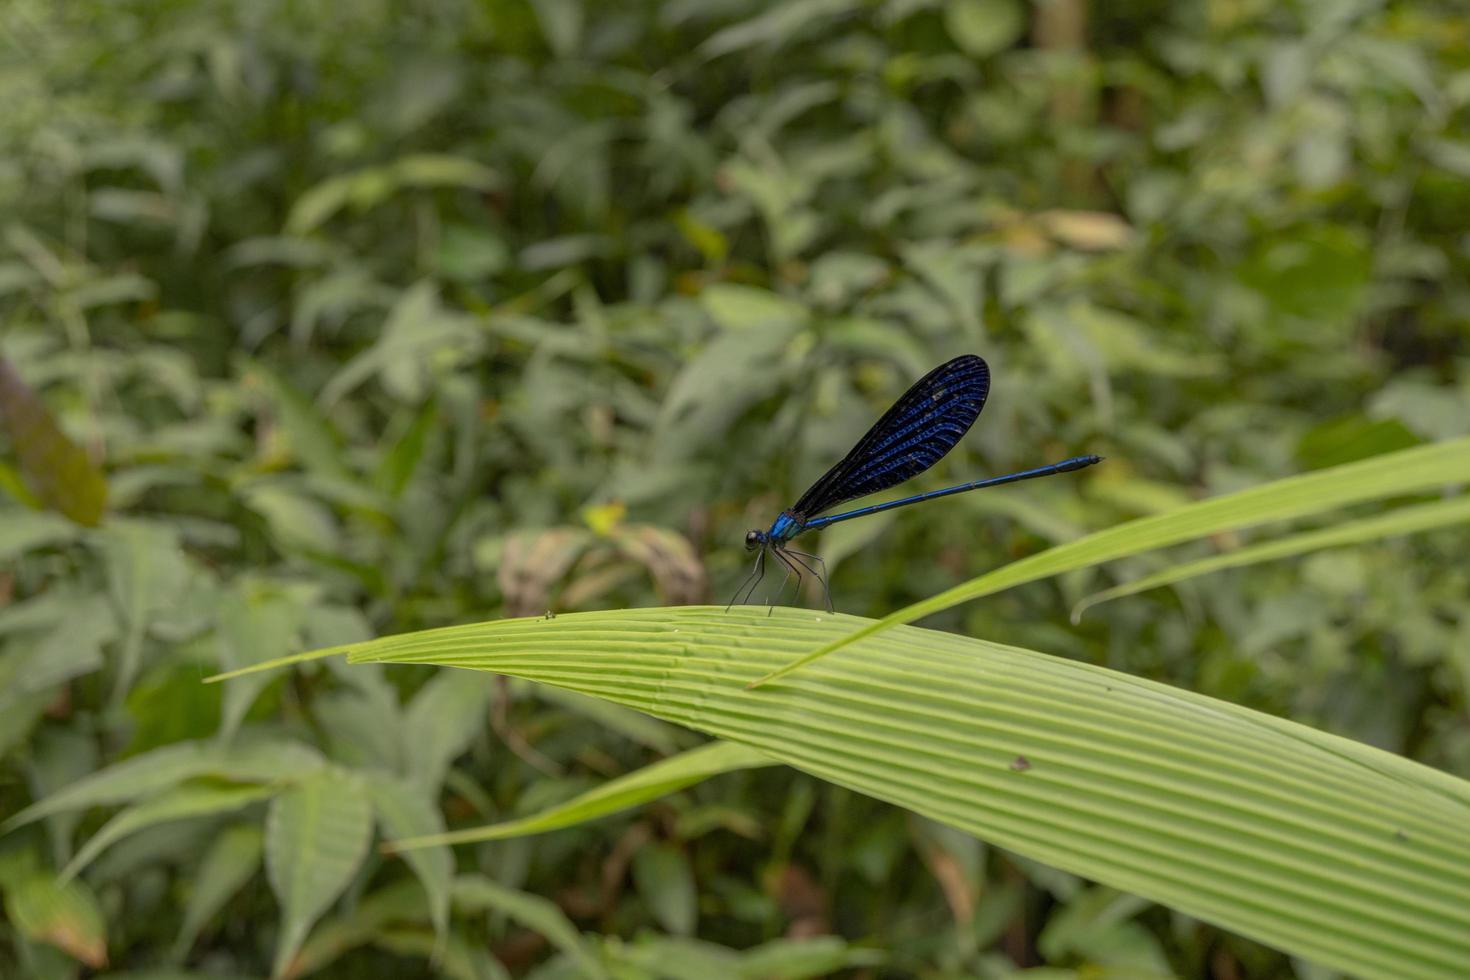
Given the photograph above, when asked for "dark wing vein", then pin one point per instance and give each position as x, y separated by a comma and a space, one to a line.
913, 435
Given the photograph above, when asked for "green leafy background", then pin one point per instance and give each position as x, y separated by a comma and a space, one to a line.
375, 317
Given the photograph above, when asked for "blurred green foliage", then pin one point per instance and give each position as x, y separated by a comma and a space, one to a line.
389, 315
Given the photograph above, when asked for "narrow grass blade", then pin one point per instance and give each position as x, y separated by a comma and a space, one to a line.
1405, 520
1391, 474
286, 661
649, 783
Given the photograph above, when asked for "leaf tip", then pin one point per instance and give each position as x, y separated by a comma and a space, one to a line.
1087, 602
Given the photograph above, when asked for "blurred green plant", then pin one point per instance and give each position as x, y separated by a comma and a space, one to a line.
57, 473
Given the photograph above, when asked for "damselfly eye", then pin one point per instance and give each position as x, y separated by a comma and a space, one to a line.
752, 540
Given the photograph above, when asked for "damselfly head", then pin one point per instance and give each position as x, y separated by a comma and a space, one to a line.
754, 539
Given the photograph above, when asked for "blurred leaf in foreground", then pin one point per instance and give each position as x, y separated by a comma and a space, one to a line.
66, 916
57, 470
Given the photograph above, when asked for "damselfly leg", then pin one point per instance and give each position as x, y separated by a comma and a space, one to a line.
753, 580
820, 577
781, 557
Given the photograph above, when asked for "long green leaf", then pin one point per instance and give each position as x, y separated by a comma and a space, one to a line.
1317, 845
649, 783
1405, 520
1391, 474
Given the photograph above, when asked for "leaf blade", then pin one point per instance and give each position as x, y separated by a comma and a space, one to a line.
1403, 520
1285, 834
629, 790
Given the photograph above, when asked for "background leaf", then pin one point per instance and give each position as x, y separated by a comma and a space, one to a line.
983, 27
476, 891
232, 859
57, 469
316, 835
146, 572
439, 723
180, 803
666, 882
64, 914
405, 810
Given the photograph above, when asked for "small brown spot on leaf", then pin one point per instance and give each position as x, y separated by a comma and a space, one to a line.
1020, 764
